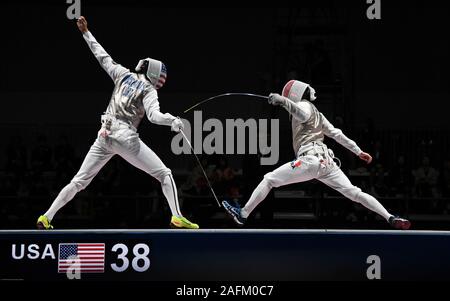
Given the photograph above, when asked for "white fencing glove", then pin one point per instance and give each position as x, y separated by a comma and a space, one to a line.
177, 125
276, 99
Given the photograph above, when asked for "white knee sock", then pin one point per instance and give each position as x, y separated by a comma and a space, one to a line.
170, 192
371, 203
66, 194
258, 195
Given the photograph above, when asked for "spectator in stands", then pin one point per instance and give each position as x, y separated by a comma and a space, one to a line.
378, 153
16, 156
367, 135
16, 168
38, 186
425, 179
41, 155
7, 186
446, 178
196, 183
64, 154
320, 63
64, 160
400, 178
378, 181
226, 181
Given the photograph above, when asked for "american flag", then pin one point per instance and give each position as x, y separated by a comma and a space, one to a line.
82, 257
162, 76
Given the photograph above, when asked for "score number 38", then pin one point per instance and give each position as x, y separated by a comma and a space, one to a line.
140, 262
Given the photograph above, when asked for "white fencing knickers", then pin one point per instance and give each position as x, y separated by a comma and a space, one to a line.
310, 167
123, 140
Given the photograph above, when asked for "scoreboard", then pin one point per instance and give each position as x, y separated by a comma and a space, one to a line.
224, 255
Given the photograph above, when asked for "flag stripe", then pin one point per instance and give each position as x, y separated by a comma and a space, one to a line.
96, 264
89, 256
91, 248
84, 262
85, 259
84, 271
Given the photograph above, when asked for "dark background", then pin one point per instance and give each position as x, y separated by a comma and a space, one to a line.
384, 82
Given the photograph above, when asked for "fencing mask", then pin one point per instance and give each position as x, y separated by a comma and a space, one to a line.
154, 70
295, 91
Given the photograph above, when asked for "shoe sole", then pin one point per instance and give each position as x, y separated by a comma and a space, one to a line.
402, 225
235, 219
41, 226
173, 226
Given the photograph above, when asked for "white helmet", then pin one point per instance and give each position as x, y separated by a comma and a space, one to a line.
154, 70
295, 89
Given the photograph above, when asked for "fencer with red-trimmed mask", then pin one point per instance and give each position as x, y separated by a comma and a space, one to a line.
314, 159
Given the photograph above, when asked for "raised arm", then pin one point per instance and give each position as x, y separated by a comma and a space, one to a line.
337, 134
114, 70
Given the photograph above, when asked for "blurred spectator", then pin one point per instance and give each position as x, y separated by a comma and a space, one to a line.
446, 178
400, 178
378, 153
64, 161
367, 136
226, 181
196, 183
16, 156
16, 167
8, 187
38, 186
320, 64
378, 181
64, 154
425, 179
41, 155
292, 75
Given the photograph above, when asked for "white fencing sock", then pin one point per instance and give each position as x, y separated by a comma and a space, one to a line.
258, 195
170, 192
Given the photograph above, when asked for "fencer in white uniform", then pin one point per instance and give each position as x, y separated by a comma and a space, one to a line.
134, 96
314, 159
